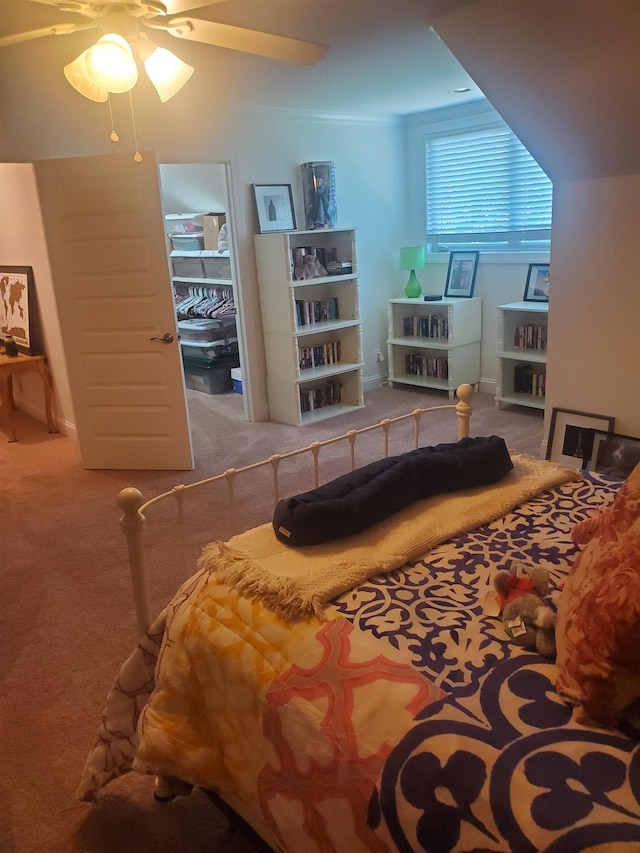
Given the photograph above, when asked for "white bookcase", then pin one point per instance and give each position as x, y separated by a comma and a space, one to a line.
434, 344
522, 354
312, 330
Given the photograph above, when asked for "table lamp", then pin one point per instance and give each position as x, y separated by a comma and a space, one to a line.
412, 258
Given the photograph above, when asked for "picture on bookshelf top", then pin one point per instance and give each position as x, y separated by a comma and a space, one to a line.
274, 207
537, 286
461, 274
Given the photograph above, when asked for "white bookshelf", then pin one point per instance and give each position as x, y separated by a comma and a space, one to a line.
318, 315
434, 344
522, 354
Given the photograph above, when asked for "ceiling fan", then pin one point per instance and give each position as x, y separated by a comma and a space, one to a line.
111, 65
174, 17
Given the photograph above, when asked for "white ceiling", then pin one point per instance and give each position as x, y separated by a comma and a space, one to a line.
383, 58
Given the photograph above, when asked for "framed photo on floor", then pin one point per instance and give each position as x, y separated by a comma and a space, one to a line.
572, 435
613, 454
274, 207
461, 274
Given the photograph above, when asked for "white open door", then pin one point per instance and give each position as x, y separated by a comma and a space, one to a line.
107, 248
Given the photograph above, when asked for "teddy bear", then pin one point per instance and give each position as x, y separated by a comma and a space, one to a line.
527, 618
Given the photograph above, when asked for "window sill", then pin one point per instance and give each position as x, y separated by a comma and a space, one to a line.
524, 258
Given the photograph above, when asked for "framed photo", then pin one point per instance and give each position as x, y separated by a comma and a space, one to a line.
613, 454
572, 436
537, 286
461, 274
319, 194
18, 309
274, 206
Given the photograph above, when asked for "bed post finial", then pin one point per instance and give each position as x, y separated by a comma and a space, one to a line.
464, 409
132, 522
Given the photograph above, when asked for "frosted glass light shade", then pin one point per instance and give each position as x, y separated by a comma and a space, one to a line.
167, 72
110, 64
77, 75
412, 258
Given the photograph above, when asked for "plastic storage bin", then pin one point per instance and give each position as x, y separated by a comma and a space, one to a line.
187, 242
202, 329
209, 350
210, 377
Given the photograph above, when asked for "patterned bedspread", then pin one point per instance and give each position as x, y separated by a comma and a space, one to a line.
406, 722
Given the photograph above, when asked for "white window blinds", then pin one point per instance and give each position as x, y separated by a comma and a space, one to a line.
485, 191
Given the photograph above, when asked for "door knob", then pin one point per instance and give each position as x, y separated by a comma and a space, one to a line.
167, 338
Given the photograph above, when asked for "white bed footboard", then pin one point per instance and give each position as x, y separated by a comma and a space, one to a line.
134, 506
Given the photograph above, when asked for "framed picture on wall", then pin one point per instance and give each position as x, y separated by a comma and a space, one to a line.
18, 307
461, 274
572, 436
274, 207
537, 287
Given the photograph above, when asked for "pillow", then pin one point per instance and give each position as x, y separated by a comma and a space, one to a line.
598, 620
361, 498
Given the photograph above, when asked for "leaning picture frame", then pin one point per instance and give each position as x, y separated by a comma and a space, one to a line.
613, 454
274, 207
461, 274
537, 287
572, 434
18, 310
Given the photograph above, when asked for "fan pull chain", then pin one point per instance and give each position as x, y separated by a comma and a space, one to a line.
137, 156
114, 136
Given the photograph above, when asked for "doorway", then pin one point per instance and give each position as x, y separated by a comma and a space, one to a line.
205, 280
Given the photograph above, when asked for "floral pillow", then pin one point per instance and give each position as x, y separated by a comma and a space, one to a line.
598, 623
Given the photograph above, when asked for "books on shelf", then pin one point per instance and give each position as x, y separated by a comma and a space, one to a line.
319, 355
426, 326
317, 311
529, 379
320, 397
530, 336
417, 364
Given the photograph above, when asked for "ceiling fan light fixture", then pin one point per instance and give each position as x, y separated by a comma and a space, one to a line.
110, 64
78, 77
167, 72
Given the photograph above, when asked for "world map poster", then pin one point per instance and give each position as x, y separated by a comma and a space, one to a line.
16, 292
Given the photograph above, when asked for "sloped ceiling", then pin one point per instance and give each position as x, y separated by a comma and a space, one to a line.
564, 74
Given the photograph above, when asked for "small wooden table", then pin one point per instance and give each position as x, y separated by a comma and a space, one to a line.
11, 366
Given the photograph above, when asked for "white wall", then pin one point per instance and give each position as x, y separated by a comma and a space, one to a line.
267, 147
501, 277
22, 243
594, 304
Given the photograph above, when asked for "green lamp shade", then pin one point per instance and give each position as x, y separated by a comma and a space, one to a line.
412, 258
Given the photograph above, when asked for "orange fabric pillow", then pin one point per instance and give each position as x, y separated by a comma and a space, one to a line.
598, 623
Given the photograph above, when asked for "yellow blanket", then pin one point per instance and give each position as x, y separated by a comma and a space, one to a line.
297, 582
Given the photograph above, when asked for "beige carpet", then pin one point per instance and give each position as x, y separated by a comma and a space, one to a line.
67, 621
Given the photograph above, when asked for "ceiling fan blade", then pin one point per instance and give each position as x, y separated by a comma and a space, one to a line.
182, 7
248, 41
56, 30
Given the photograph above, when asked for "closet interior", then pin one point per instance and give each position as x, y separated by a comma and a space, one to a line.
202, 277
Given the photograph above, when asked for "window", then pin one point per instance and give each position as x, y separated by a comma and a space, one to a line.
485, 192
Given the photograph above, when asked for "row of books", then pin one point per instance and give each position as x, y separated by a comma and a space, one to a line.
426, 326
528, 379
530, 336
317, 311
319, 355
319, 398
423, 365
